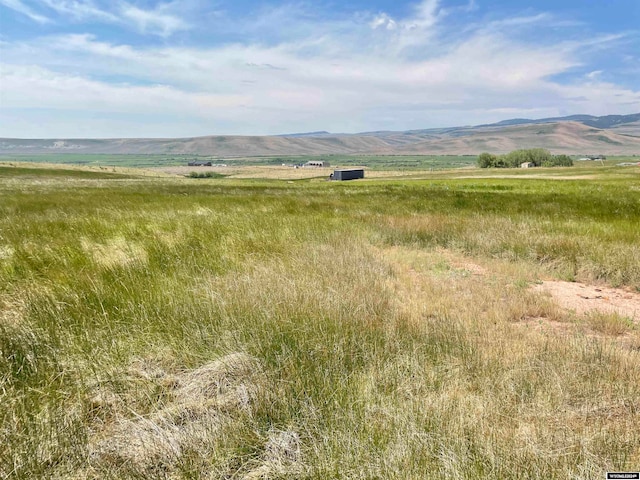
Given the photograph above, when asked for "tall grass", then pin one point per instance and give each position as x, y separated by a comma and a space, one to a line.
222, 329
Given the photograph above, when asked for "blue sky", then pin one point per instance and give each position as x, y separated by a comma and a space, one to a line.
144, 68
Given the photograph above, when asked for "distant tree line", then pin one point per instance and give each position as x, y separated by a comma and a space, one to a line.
205, 175
539, 157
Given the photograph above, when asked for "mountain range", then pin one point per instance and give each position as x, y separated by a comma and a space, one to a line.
576, 134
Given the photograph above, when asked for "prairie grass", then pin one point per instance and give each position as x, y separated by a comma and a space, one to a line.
609, 323
219, 328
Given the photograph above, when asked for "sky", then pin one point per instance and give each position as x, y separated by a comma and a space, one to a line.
184, 68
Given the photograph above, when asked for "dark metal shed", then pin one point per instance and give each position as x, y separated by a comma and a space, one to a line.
348, 174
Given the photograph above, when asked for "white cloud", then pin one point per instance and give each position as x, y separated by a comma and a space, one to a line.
79, 10
520, 21
364, 73
383, 21
36, 87
594, 75
20, 7
158, 21
426, 14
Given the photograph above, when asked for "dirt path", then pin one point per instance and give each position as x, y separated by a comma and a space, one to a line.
583, 298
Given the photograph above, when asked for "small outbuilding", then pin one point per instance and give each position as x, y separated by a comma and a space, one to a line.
317, 163
348, 174
527, 165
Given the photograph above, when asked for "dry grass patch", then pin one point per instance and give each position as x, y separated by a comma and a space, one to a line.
12, 310
282, 457
116, 252
203, 407
6, 252
442, 282
511, 387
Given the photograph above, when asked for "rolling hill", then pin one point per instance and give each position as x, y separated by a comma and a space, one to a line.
578, 134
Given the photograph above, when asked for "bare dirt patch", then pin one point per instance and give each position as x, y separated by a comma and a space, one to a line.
431, 282
584, 299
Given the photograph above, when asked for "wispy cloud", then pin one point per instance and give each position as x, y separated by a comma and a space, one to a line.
20, 7
34, 87
425, 16
363, 72
385, 21
519, 21
158, 20
79, 10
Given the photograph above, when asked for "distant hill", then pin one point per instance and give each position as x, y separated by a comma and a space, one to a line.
307, 134
605, 122
561, 137
576, 134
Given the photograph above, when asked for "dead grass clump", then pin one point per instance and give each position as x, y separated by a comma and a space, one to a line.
12, 310
104, 404
6, 252
113, 395
230, 381
147, 369
143, 446
283, 446
117, 252
282, 456
205, 404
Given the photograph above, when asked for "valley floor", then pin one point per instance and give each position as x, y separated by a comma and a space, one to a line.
426, 327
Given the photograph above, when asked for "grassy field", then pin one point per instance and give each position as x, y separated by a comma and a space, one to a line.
101, 160
395, 163
373, 162
155, 327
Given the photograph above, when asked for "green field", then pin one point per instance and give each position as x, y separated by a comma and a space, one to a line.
103, 160
21, 172
374, 162
221, 328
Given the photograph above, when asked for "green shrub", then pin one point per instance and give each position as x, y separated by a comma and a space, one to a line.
538, 156
559, 161
205, 175
486, 160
